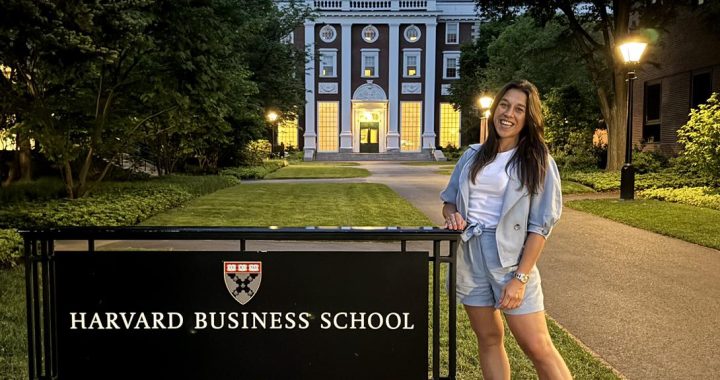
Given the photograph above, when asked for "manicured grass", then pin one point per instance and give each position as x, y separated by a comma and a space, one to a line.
445, 170
326, 204
569, 187
690, 223
317, 171
13, 328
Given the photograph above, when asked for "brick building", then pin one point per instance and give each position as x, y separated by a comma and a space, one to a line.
679, 72
378, 78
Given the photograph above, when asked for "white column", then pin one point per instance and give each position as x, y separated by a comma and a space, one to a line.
346, 144
310, 135
393, 137
430, 69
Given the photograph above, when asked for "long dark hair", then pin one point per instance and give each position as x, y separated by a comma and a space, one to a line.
531, 157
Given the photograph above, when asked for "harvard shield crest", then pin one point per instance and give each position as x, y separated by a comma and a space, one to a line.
242, 279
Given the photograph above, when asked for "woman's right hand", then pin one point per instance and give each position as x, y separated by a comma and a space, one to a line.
453, 219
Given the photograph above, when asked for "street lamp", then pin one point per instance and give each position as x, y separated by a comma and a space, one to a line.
485, 103
272, 117
631, 52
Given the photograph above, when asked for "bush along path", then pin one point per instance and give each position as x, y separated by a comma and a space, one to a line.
112, 204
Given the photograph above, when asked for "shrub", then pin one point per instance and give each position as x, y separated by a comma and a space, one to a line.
608, 181
649, 161
255, 152
700, 137
112, 204
41, 189
10, 247
697, 196
254, 172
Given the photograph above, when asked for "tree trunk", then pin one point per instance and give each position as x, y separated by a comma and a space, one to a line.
23, 158
617, 123
68, 178
82, 177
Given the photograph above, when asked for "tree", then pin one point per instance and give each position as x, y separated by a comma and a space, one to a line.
595, 27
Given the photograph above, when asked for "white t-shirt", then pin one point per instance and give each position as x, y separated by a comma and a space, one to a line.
486, 194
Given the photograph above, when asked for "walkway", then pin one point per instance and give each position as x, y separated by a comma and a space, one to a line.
646, 303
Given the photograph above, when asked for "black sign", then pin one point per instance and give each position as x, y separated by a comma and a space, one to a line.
223, 315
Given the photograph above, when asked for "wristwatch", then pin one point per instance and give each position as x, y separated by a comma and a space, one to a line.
522, 277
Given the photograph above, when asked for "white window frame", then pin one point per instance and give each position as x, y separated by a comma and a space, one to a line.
447, 55
328, 27
412, 27
328, 53
447, 33
409, 53
369, 53
372, 27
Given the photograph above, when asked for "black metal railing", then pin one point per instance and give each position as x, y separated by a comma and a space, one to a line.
40, 272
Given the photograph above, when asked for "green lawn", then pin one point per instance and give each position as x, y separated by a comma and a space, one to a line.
317, 171
323, 204
690, 223
300, 205
428, 163
569, 187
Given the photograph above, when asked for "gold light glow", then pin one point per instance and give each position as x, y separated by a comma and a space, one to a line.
485, 102
272, 116
632, 51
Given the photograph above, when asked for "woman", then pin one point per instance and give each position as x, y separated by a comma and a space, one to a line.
505, 196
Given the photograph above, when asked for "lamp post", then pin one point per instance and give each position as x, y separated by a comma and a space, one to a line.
272, 117
485, 103
631, 52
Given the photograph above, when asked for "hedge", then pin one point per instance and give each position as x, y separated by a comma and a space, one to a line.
254, 172
112, 204
608, 181
696, 196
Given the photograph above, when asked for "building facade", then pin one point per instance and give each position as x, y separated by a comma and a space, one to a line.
679, 73
379, 74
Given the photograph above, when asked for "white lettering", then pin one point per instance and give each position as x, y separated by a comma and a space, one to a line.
178, 320
74, 321
158, 321
406, 322
142, 319
232, 317
290, 321
126, 322
259, 320
360, 319
380, 321
276, 320
335, 321
325, 317
304, 323
96, 321
387, 321
200, 321
110, 319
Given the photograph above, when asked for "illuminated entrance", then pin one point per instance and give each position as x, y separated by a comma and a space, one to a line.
369, 119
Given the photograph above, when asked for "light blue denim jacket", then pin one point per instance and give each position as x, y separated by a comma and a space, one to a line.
521, 212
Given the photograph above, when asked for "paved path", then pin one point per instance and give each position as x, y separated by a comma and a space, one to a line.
645, 303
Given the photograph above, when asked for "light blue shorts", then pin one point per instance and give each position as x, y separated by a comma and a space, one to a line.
481, 278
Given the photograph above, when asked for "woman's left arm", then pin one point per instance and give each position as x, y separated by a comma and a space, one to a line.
545, 211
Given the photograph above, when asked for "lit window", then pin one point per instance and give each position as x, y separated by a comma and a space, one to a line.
370, 63
451, 65
412, 33
451, 32
410, 123
287, 133
328, 61
327, 126
449, 126
411, 63
328, 33
370, 34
